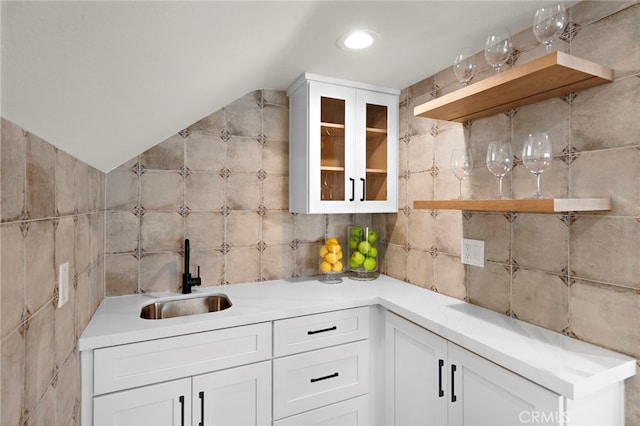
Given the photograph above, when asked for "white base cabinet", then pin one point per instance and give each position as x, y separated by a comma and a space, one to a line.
164, 404
360, 366
238, 396
431, 381
353, 412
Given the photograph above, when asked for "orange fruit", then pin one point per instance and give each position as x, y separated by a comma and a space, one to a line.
331, 258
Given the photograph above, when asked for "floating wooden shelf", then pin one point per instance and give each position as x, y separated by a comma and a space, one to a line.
530, 205
552, 75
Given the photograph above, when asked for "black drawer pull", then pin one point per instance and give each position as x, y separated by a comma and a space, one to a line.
440, 366
454, 398
201, 395
181, 410
330, 376
324, 330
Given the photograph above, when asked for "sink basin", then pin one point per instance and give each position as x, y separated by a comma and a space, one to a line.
179, 307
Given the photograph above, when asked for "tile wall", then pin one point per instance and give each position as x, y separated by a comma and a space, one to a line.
578, 274
223, 183
52, 211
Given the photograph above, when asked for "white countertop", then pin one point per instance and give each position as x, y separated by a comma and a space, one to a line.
564, 365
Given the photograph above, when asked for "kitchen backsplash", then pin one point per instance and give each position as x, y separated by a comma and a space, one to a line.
223, 183
52, 212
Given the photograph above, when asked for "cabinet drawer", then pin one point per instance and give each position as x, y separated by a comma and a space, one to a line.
310, 332
353, 412
310, 380
137, 364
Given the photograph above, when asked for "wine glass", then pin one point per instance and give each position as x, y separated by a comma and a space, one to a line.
499, 161
461, 165
537, 154
548, 24
464, 65
498, 48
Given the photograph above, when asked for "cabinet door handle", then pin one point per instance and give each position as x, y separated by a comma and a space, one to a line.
324, 330
440, 367
453, 383
181, 410
201, 395
353, 189
330, 376
364, 189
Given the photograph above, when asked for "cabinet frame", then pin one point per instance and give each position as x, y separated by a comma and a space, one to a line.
305, 123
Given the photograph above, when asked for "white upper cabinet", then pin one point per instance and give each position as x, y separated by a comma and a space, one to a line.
343, 147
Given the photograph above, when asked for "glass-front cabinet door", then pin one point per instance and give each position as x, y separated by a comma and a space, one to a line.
377, 151
342, 149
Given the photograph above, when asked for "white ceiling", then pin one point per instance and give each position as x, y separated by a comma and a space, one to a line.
106, 80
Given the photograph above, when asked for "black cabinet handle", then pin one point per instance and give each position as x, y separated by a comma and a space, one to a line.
201, 395
453, 383
364, 189
181, 410
330, 376
324, 330
440, 366
353, 189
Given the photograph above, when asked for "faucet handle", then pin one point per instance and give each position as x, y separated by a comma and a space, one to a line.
198, 271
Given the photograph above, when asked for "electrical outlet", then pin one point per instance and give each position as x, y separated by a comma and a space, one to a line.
63, 284
472, 252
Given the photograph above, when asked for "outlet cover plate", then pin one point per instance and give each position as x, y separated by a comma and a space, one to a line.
472, 252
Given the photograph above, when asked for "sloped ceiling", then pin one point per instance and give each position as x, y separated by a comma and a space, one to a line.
104, 81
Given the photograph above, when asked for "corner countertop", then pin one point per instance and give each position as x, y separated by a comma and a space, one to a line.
560, 363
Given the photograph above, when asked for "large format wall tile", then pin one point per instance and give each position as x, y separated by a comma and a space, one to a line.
606, 315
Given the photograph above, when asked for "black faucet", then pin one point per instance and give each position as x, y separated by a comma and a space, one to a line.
187, 281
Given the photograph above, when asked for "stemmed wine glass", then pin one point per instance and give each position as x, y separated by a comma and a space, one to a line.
548, 24
498, 48
499, 161
464, 65
537, 154
461, 165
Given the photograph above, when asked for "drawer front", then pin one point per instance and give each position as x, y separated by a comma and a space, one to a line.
353, 412
295, 335
313, 379
138, 364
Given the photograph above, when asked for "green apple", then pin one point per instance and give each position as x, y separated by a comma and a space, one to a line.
357, 258
353, 243
372, 236
373, 252
369, 264
353, 264
357, 231
364, 247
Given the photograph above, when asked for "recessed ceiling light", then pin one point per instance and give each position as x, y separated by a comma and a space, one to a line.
357, 40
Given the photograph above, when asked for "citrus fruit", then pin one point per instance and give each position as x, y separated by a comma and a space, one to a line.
364, 247
331, 258
337, 267
323, 251
332, 240
332, 248
369, 264
325, 267
353, 242
357, 258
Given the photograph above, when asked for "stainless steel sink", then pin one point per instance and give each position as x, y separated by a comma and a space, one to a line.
180, 306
